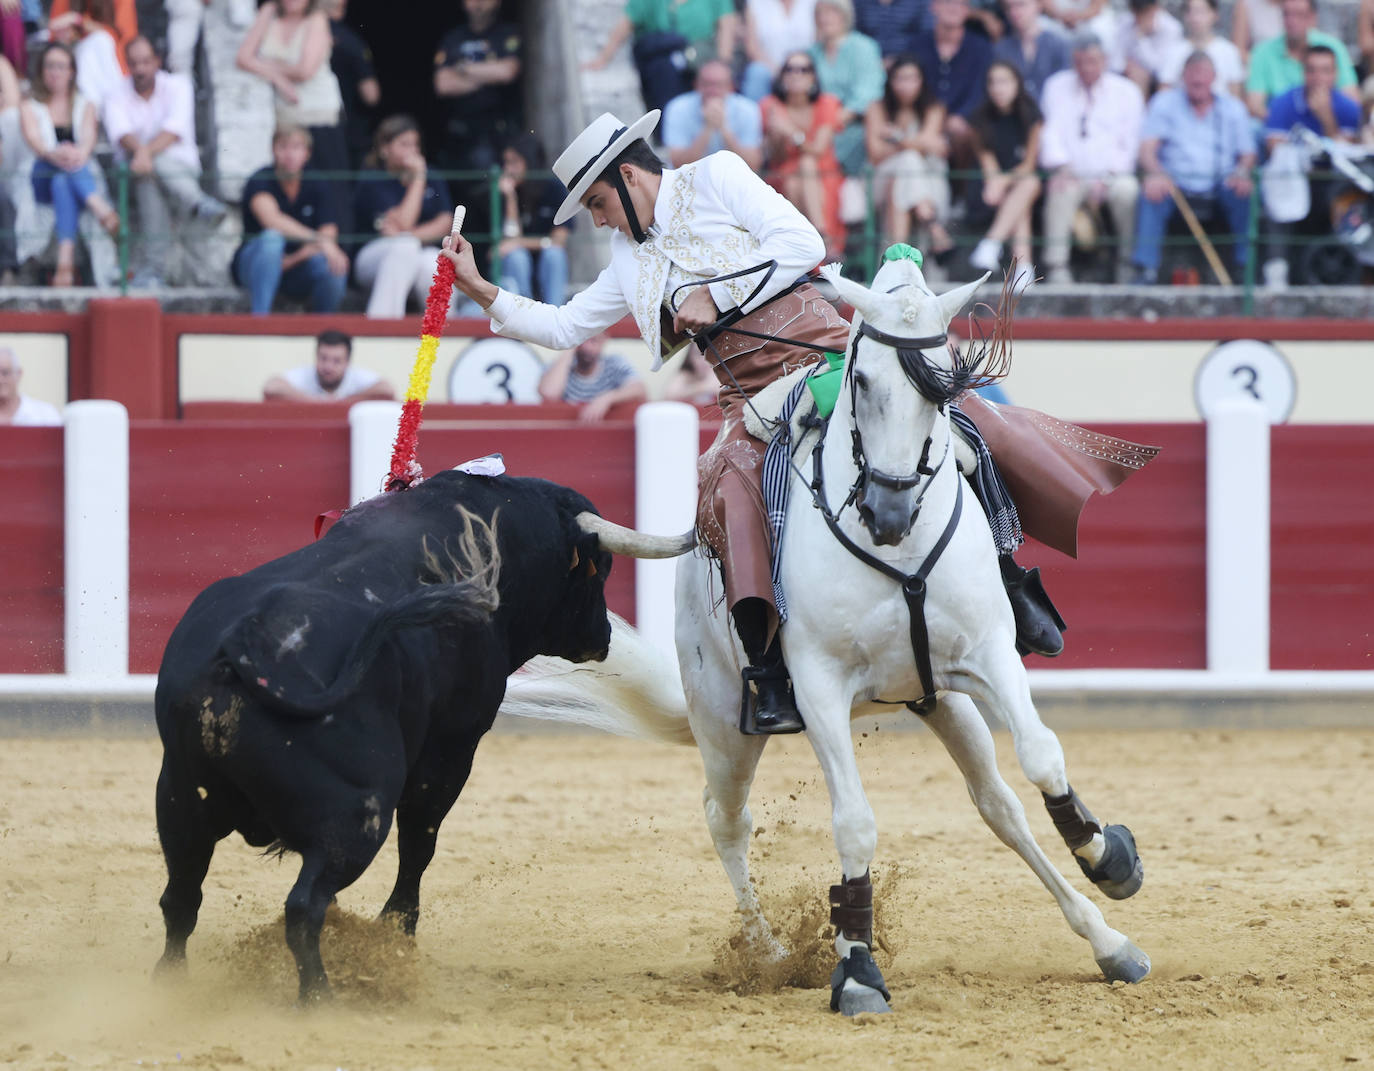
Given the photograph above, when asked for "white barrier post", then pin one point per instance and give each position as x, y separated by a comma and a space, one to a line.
666, 437
371, 435
96, 539
1238, 536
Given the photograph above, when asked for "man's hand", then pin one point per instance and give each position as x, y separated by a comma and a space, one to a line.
469, 280
336, 258
1319, 104
994, 189
713, 113
141, 163
594, 411
698, 311
388, 226
1239, 183
1156, 186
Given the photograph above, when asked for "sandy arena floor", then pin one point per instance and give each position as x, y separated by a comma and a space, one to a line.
576, 916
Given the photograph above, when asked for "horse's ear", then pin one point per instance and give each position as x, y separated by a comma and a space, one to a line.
861, 297
953, 300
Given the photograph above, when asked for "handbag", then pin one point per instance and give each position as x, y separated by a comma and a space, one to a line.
664, 60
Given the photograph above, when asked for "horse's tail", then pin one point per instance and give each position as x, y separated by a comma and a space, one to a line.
635, 692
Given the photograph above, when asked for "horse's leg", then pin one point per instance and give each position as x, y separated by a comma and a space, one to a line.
856, 985
965, 735
1105, 853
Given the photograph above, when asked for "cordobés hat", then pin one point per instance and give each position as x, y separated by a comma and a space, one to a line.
591, 153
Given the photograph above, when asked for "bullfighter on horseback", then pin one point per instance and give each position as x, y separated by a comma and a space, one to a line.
710, 254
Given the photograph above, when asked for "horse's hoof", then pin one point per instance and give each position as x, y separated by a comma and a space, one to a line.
1120, 873
1126, 964
857, 986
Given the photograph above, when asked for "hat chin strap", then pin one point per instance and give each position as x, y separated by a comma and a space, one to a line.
631, 215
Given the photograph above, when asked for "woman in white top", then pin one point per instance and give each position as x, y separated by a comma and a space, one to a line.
60, 127
288, 46
1200, 23
773, 29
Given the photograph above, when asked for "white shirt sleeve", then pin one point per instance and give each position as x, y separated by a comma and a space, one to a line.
1055, 104
181, 116
116, 117
783, 233
560, 327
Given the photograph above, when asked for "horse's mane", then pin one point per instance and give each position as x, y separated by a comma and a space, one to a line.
986, 356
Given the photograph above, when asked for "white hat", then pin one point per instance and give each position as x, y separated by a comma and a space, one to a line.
591, 153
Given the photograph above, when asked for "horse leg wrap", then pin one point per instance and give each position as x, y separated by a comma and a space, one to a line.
859, 966
1075, 822
851, 909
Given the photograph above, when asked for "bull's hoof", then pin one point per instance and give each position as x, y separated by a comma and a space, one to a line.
857, 986
170, 967
1120, 873
1126, 964
312, 996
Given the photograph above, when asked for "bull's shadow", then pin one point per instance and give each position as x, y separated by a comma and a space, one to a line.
307, 701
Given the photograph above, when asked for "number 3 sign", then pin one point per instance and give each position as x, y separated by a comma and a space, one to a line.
1246, 368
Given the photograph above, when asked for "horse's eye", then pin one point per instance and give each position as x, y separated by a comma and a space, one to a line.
860, 381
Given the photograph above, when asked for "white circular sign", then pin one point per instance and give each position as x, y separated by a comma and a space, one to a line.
497, 370
1246, 368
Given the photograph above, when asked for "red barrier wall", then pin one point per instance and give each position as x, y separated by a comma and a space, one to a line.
31, 609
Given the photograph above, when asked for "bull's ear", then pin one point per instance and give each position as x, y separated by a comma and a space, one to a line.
573, 564
585, 552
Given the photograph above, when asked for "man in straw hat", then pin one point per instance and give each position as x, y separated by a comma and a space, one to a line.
690, 246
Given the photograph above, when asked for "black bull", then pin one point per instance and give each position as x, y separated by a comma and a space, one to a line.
305, 702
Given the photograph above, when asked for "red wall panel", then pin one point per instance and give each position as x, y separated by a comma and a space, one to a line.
1136, 596
1321, 548
31, 488
211, 502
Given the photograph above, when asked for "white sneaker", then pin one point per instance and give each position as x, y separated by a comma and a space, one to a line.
1060, 276
986, 255
1276, 274
1023, 278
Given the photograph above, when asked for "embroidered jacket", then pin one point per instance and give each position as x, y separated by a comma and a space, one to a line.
711, 218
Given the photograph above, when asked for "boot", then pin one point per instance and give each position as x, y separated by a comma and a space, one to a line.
1039, 627
767, 708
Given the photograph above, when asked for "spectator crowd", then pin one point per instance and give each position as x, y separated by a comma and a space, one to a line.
1048, 138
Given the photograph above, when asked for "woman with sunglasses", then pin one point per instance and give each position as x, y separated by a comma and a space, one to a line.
799, 127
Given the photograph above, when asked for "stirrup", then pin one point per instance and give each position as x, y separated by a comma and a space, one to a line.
772, 690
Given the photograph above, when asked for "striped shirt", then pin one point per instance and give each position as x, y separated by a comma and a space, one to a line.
612, 373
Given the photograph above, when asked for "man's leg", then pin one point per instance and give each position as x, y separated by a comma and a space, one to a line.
155, 235
553, 275
312, 278
1063, 195
1152, 220
258, 267
1237, 210
1123, 191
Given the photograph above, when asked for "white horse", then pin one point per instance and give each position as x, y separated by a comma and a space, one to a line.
890, 442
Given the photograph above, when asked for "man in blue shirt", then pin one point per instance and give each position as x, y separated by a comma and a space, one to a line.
1031, 45
712, 117
955, 63
1198, 140
894, 24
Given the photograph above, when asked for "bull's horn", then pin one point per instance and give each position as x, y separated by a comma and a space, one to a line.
621, 540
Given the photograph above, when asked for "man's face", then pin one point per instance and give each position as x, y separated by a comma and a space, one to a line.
1298, 18
588, 353
481, 12
714, 80
9, 376
143, 66
950, 13
289, 154
602, 201
1199, 18
331, 362
1198, 77
1021, 14
1319, 72
1089, 63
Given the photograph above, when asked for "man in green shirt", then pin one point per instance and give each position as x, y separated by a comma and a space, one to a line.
1276, 64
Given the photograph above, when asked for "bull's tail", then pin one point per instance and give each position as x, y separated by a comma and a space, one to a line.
635, 692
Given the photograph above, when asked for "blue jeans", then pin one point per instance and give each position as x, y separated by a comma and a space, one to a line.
66, 191
517, 272
257, 266
1152, 220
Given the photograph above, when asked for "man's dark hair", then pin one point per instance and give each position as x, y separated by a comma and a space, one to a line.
1321, 50
637, 153
333, 337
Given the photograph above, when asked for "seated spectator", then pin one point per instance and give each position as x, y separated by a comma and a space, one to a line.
1200, 25
19, 409
290, 231
772, 30
88, 32
60, 126
531, 246
849, 67
894, 24
288, 47
694, 382
1090, 144
1195, 137
477, 80
1320, 107
333, 377
150, 119
1031, 45
1007, 130
1253, 21
1145, 39
710, 118
906, 145
956, 63
800, 125
118, 17
1276, 65
1097, 17
408, 211
351, 62
594, 380
669, 35
9, 104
